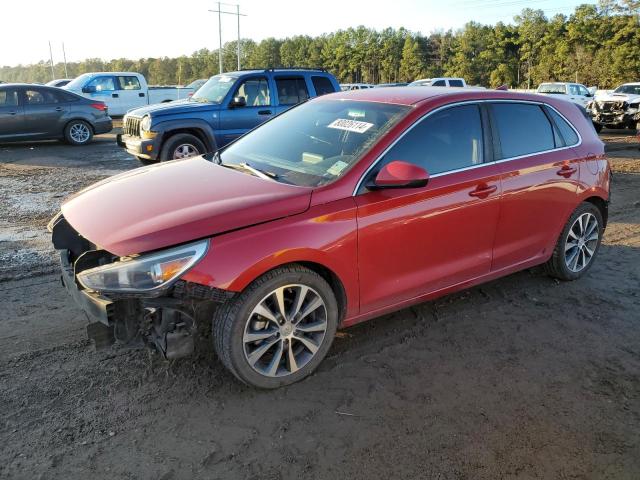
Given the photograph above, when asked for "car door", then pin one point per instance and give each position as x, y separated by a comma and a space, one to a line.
130, 92
575, 95
43, 112
11, 114
104, 89
413, 241
237, 120
292, 89
539, 182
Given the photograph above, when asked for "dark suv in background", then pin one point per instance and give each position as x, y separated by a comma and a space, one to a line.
37, 112
224, 108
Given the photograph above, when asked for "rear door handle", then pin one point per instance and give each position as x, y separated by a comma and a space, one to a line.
114, 95
141, 94
483, 191
264, 112
13, 112
566, 171
58, 109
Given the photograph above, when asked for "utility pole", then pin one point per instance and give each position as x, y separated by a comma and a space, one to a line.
64, 56
53, 75
238, 15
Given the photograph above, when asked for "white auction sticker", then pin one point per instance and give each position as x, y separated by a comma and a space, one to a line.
350, 125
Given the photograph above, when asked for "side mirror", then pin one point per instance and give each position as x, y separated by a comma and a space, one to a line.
399, 174
238, 102
89, 89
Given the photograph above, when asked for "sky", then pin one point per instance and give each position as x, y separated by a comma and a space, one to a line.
145, 28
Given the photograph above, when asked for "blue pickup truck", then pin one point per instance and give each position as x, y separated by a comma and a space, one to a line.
227, 106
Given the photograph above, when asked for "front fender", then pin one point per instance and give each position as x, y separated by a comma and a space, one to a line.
207, 132
325, 235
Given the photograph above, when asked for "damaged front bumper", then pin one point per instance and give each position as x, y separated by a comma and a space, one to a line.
607, 113
166, 318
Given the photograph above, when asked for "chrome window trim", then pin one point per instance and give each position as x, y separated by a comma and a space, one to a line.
484, 164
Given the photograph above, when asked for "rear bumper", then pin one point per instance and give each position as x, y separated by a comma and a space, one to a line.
103, 126
139, 147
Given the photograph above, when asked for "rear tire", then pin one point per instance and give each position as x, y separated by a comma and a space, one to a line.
273, 350
182, 145
78, 132
578, 244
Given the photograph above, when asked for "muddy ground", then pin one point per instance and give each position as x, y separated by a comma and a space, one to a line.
521, 378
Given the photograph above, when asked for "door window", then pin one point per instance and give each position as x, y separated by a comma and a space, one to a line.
569, 136
129, 83
292, 90
102, 84
523, 129
455, 83
439, 83
255, 92
41, 97
8, 98
446, 140
583, 91
574, 90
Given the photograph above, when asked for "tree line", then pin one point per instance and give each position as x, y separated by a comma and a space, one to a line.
595, 45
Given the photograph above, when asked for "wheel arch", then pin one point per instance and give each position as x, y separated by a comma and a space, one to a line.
201, 130
73, 119
601, 205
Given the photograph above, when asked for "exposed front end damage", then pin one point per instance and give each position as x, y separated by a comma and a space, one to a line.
165, 317
615, 113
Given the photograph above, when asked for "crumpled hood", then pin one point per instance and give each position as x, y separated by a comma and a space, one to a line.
171, 108
618, 97
176, 202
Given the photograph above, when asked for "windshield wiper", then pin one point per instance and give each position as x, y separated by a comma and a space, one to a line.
246, 167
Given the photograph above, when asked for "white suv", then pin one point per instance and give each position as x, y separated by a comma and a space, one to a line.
575, 92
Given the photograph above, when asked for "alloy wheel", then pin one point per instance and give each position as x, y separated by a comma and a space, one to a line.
79, 132
581, 242
184, 151
285, 330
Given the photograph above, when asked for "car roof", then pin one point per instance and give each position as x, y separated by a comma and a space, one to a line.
238, 73
25, 85
413, 95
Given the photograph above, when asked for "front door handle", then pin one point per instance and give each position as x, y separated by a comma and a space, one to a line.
566, 171
58, 109
114, 95
264, 112
141, 94
12, 112
483, 191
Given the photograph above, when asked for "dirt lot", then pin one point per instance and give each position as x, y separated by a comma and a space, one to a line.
522, 378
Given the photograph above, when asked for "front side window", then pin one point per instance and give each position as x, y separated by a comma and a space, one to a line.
292, 90
439, 83
583, 91
8, 98
129, 83
447, 140
102, 84
315, 142
523, 129
255, 92
574, 90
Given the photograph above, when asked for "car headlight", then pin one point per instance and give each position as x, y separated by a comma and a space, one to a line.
145, 273
145, 124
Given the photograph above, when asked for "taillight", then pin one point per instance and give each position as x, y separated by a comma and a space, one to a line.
99, 106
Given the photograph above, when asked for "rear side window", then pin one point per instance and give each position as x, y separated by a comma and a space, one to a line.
455, 83
568, 134
322, 85
129, 83
523, 129
8, 98
291, 90
446, 140
41, 97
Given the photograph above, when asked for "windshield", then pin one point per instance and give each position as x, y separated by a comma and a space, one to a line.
315, 142
78, 82
630, 89
215, 89
551, 88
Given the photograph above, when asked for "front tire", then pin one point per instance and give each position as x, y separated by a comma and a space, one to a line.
598, 127
578, 244
278, 330
78, 132
182, 145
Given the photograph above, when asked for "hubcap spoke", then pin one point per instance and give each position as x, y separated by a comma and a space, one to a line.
581, 242
285, 330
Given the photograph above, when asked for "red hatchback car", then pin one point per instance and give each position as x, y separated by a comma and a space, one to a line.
344, 208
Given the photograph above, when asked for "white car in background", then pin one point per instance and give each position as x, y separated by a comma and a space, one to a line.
574, 92
439, 82
124, 91
355, 86
619, 108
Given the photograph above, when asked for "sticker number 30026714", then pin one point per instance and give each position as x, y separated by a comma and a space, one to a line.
350, 125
